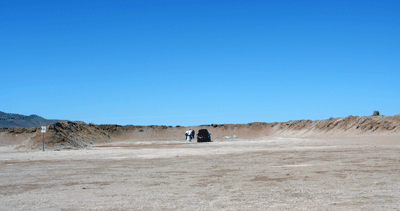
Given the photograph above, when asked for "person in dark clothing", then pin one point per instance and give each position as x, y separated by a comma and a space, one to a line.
193, 134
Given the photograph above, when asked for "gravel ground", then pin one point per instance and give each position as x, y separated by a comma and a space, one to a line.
227, 174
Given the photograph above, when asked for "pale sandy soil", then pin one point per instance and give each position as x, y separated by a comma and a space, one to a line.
227, 174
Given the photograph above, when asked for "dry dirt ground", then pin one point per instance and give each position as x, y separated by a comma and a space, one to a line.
228, 174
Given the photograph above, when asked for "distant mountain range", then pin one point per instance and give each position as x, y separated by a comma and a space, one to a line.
17, 120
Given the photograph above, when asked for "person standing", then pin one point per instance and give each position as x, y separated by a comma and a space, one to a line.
193, 133
188, 135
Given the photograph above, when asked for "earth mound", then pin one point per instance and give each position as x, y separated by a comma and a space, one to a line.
78, 135
67, 135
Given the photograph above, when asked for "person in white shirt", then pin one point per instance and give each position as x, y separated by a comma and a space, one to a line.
188, 135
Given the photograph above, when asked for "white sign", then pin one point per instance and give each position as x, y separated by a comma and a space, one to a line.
43, 129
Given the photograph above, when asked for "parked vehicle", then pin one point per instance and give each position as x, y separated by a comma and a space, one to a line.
203, 136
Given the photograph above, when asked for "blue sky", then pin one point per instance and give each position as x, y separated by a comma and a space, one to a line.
199, 62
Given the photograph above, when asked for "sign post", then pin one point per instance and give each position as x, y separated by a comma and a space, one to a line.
43, 131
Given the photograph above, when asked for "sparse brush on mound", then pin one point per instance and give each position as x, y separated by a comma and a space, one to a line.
64, 135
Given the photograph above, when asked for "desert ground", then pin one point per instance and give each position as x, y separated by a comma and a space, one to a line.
256, 173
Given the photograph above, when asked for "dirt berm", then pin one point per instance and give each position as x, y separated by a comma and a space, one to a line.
74, 135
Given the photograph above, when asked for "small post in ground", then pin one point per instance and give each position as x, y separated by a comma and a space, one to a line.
43, 131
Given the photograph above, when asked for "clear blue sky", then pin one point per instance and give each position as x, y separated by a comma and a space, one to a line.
171, 62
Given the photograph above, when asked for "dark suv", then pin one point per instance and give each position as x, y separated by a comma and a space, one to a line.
203, 136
